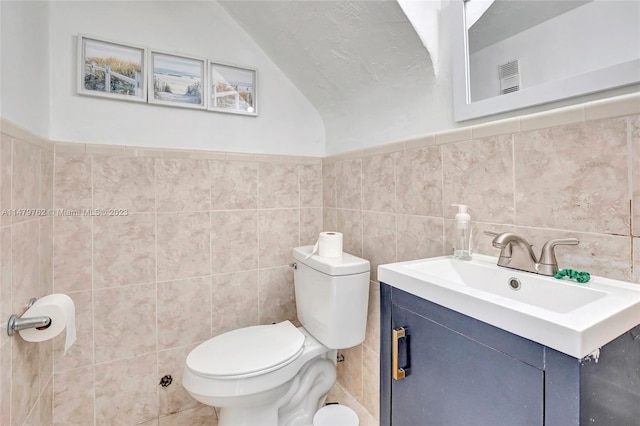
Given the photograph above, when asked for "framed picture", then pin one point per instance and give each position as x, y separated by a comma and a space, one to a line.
177, 80
233, 89
110, 69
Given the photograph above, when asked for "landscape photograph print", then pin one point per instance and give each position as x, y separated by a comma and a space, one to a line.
111, 69
233, 89
177, 80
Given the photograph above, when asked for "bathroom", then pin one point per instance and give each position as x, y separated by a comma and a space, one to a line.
216, 202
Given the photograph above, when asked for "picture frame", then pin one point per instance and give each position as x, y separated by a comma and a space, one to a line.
110, 69
177, 80
233, 89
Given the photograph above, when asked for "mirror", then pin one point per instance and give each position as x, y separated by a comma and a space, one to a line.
514, 54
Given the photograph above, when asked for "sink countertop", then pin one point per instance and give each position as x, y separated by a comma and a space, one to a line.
576, 319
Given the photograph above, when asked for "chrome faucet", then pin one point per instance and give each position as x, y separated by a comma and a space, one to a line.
517, 253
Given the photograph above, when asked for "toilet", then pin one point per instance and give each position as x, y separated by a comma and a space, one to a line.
280, 374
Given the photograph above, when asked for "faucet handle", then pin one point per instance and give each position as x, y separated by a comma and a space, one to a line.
506, 250
548, 254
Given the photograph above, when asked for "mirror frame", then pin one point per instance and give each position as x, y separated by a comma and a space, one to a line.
619, 75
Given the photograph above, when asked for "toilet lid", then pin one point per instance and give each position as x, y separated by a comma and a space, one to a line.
247, 351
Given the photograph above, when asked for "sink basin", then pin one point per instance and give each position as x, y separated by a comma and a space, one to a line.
576, 319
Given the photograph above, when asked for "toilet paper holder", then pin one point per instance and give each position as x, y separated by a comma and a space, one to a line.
16, 323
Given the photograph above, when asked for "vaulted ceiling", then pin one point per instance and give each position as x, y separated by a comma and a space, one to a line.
336, 52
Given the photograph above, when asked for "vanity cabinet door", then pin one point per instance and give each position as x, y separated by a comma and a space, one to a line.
456, 381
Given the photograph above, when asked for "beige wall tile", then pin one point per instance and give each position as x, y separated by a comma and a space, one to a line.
46, 404
556, 117
73, 393
329, 185
174, 397
613, 107
80, 354
329, 219
349, 223
6, 301
124, 183
200, 416
605, 255
183, 245
379, 245
279, 233
46, 179
350, 371
634, 128
419, 237
25, 264
378, 183
479, 173
234, 241
371, 381
234, 185
184, 312
419, 181
349, 184
310, 225
72, 254
182, 185
126, 391
34, 415
124, 250
574, 177
372, 337
277, 298
5, 383
636, 260
454, 135
310, 185
419, 142
234, 301
124, 322
494, 128
45, 362
278, 185
6, 171
26, 178
24, 379
46, 256
72, 181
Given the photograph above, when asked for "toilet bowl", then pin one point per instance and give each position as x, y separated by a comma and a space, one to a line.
279, 374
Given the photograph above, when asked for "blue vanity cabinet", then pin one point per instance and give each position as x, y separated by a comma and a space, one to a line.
463, 372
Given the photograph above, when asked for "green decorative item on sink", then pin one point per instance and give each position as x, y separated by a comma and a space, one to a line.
581, 277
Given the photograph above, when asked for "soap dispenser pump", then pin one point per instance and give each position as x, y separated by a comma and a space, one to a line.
462, 234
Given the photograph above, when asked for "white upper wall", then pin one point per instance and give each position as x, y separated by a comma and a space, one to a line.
24, 69
287, 123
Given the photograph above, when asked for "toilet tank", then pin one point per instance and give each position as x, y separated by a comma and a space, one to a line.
332, 296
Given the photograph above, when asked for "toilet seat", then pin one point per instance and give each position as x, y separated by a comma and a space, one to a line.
247, 352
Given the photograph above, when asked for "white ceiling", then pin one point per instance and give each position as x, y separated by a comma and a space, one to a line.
335, 51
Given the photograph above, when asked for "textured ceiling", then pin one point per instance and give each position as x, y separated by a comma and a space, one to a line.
335, 51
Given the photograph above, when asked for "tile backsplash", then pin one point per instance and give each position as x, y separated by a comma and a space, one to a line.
194, 244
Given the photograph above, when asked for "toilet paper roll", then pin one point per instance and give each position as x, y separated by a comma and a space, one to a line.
329, 244
61, 310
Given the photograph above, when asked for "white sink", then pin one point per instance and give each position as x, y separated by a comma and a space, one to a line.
576, 319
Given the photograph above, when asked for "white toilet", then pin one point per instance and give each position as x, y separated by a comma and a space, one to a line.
279, 375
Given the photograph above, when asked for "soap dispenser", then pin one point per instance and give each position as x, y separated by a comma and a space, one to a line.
462, 234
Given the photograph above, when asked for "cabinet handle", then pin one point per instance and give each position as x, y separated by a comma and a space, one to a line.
399, 373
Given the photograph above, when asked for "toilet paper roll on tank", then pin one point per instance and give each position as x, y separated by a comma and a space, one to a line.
329, 244
61, 310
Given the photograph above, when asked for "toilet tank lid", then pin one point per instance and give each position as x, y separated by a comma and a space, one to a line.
346, 264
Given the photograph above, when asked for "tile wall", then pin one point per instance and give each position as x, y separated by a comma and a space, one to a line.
573, 172
26, 182
203, 248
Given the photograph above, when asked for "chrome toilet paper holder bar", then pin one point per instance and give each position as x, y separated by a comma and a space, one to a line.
16, 323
